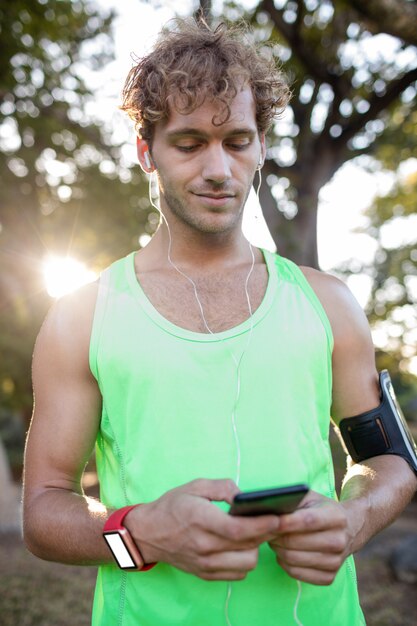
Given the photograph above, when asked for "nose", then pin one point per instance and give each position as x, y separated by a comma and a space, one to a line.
216, 167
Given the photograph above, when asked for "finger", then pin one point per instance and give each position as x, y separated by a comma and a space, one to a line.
232, 561
333, 542
291, 559
226, 532
312, 576
216, 489
216, 533
250, 531
313, 519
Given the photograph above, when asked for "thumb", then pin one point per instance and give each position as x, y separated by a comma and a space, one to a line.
223, 489
312, 499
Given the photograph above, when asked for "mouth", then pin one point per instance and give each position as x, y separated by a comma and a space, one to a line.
215, 196
215, 200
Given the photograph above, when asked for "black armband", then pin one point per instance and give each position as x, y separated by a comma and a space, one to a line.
382, 430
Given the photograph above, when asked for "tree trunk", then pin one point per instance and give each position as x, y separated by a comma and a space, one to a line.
295, 238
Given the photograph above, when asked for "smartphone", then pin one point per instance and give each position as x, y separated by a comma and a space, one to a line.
278, 501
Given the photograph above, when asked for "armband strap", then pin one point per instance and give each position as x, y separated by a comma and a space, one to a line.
382, 430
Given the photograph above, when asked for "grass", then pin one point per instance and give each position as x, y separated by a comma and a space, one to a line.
38, 593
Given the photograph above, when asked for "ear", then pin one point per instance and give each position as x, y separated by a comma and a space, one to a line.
144, 156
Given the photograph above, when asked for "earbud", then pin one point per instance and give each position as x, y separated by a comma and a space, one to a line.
260, 165
148, 160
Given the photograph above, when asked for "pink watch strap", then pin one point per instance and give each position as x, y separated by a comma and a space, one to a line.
114, 522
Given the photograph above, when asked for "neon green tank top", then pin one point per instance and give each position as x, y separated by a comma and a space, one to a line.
168, 396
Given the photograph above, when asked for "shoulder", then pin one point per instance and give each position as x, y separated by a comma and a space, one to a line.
355, 380
347, 318
65, 333
74, 311
331, 290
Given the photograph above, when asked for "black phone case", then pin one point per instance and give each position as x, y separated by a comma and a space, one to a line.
265, 501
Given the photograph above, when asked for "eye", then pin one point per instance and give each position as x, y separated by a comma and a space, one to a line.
188, 148
239, 144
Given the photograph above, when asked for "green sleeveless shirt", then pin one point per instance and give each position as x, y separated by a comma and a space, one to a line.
168, 396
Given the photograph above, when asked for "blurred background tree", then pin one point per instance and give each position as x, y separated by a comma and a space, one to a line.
348, 81
64, 188
391, 309
395, 17
352, 67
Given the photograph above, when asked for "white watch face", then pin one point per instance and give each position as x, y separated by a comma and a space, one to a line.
119, 550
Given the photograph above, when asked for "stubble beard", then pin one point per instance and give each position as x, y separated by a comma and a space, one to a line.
197, 222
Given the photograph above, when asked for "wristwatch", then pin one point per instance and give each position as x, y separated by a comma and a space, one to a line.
121, 544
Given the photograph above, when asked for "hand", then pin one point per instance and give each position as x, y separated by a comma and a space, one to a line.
312, 543
184, 528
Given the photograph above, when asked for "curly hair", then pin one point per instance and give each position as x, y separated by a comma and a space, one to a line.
192, 62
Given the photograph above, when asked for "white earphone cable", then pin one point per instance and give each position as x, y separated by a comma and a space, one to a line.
236, 361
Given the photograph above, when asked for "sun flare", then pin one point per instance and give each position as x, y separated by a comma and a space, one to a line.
64, 274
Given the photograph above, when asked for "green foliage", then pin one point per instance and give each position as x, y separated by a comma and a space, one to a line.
63, 186
399, 140
391, 308
405, 384
392, 305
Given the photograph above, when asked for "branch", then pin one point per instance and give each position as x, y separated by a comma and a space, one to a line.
334, 116
300, 16
306, 54
302, 112
395, 17
377, 104
205, 11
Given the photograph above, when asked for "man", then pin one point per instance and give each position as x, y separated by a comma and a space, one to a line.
201, 366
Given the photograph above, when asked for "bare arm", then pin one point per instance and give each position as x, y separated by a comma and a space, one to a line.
313, 542
183, 527
375, 491
60, 522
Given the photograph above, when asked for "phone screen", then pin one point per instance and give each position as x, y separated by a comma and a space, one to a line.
277, 501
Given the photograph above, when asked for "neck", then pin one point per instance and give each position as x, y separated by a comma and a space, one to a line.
199, 250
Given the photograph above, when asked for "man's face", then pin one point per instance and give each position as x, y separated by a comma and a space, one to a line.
205, 172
